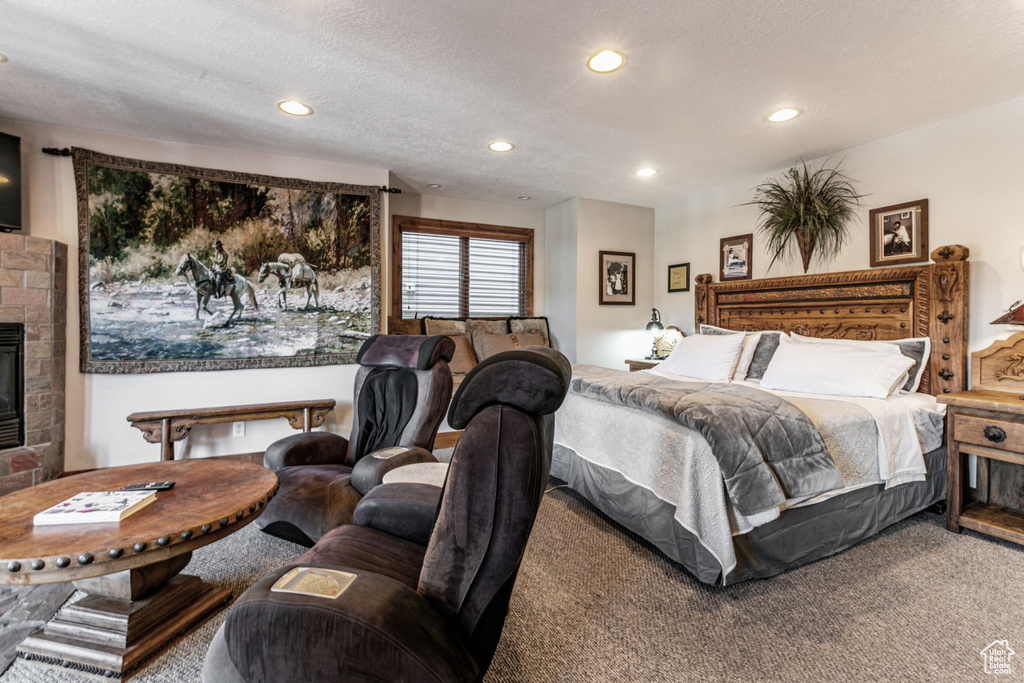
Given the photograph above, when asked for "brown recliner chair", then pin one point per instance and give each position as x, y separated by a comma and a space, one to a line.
417, 612
402, 390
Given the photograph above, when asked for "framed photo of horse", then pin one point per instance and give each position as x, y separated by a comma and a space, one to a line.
899, 233
191, 269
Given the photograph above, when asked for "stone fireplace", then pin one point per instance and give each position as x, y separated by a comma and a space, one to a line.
33, 294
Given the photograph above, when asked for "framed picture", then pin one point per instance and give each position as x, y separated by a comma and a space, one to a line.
617, 278
679, 277
899, 233
735, 257
193, 269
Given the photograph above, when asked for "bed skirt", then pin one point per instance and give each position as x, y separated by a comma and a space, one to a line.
799, 535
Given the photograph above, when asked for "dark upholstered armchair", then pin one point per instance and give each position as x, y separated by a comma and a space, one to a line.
415, 612
402, 390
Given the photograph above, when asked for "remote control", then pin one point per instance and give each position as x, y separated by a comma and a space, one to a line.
151, 486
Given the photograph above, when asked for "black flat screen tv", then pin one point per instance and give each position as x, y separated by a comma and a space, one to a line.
10, 182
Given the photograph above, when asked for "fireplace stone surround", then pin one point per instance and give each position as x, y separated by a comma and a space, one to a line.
33, 292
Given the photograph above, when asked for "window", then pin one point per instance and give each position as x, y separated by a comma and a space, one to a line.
447, 269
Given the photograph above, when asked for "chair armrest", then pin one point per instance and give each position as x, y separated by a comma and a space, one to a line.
313, 448
407, 511
370, 470
377, 629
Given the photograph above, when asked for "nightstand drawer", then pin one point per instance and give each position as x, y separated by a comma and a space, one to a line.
986, 431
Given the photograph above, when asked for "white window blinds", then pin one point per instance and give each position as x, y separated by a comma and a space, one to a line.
460, 276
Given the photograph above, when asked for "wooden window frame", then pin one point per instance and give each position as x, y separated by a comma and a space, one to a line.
402, 224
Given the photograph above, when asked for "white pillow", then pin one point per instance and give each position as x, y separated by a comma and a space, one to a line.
835, 370
704, 356
750, 340
917, 349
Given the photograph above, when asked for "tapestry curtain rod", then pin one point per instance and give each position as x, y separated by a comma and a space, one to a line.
66, 152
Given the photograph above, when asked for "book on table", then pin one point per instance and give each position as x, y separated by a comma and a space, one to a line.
94, 507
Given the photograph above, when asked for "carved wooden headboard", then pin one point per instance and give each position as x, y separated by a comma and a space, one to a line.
883, 303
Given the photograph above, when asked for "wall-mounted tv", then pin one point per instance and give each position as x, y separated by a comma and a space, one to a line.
10, 183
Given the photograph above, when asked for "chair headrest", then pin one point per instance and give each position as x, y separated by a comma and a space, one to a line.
533, 379
416, 351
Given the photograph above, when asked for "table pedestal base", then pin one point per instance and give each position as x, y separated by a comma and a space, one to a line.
111, 636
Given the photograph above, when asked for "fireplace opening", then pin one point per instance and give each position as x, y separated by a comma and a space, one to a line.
12, 385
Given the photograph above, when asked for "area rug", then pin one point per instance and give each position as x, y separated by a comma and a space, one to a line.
595, 603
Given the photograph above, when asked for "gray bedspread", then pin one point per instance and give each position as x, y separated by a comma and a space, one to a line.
767, 449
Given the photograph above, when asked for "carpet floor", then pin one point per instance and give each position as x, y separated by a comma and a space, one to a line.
595, 603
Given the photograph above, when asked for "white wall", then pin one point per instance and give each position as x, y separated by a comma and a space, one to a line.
578, 230
971, 170
561, 222
97, 434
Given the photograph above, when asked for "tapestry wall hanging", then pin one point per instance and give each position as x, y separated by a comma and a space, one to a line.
192, 269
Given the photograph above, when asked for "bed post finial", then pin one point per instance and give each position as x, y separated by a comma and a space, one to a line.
701, 308
950, 252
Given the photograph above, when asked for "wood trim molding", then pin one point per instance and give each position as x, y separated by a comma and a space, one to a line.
888, 303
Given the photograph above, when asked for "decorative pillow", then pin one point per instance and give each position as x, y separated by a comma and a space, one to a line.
478, 328
917, 349
404, 326
835, 369
530, 326
763, 352
708, 357
449, 326
750, 341
464, 359
490, 344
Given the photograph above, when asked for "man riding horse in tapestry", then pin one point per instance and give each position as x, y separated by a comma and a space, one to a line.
221, 270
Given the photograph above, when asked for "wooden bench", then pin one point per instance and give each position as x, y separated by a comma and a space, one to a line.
167, 426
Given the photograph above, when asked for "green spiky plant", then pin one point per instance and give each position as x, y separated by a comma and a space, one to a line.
807, 209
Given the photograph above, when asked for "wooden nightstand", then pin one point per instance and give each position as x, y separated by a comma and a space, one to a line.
640, 364
988, 422
990, 425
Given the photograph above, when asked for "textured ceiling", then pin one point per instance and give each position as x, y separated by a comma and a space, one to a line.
420, 88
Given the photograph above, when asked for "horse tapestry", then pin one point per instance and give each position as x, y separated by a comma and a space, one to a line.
174, 264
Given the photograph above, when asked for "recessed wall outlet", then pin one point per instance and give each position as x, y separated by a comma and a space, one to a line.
238, 429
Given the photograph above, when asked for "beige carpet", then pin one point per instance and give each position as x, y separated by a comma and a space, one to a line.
593, 603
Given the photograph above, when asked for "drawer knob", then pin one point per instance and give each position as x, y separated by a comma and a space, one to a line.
995, 434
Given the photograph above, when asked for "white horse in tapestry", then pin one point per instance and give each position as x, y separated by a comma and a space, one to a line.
296, 274
203, 279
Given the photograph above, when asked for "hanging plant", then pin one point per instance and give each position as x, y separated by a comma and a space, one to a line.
807, 209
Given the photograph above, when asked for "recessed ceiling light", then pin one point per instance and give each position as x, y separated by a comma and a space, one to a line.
784, 115
433, 185
646, 172
501, 146
606, 61
526, 197
295, 108
3, 58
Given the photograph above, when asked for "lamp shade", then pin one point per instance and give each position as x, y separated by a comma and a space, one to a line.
1014, 316
655, 325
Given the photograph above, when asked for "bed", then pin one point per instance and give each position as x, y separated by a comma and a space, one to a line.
658, 475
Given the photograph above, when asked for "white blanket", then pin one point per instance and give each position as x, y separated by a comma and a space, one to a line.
677, 465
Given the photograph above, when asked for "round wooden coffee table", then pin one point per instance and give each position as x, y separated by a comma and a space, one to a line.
137, 600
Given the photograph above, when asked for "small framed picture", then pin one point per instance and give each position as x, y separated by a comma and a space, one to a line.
617, 278
735, 257
679, 277
899, 233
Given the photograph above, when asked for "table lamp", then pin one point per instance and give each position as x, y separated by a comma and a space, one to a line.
655, 329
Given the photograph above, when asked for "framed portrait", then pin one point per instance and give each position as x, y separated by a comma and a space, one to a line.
617, 278
899, 233
679, 277
194, 269
735, 257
